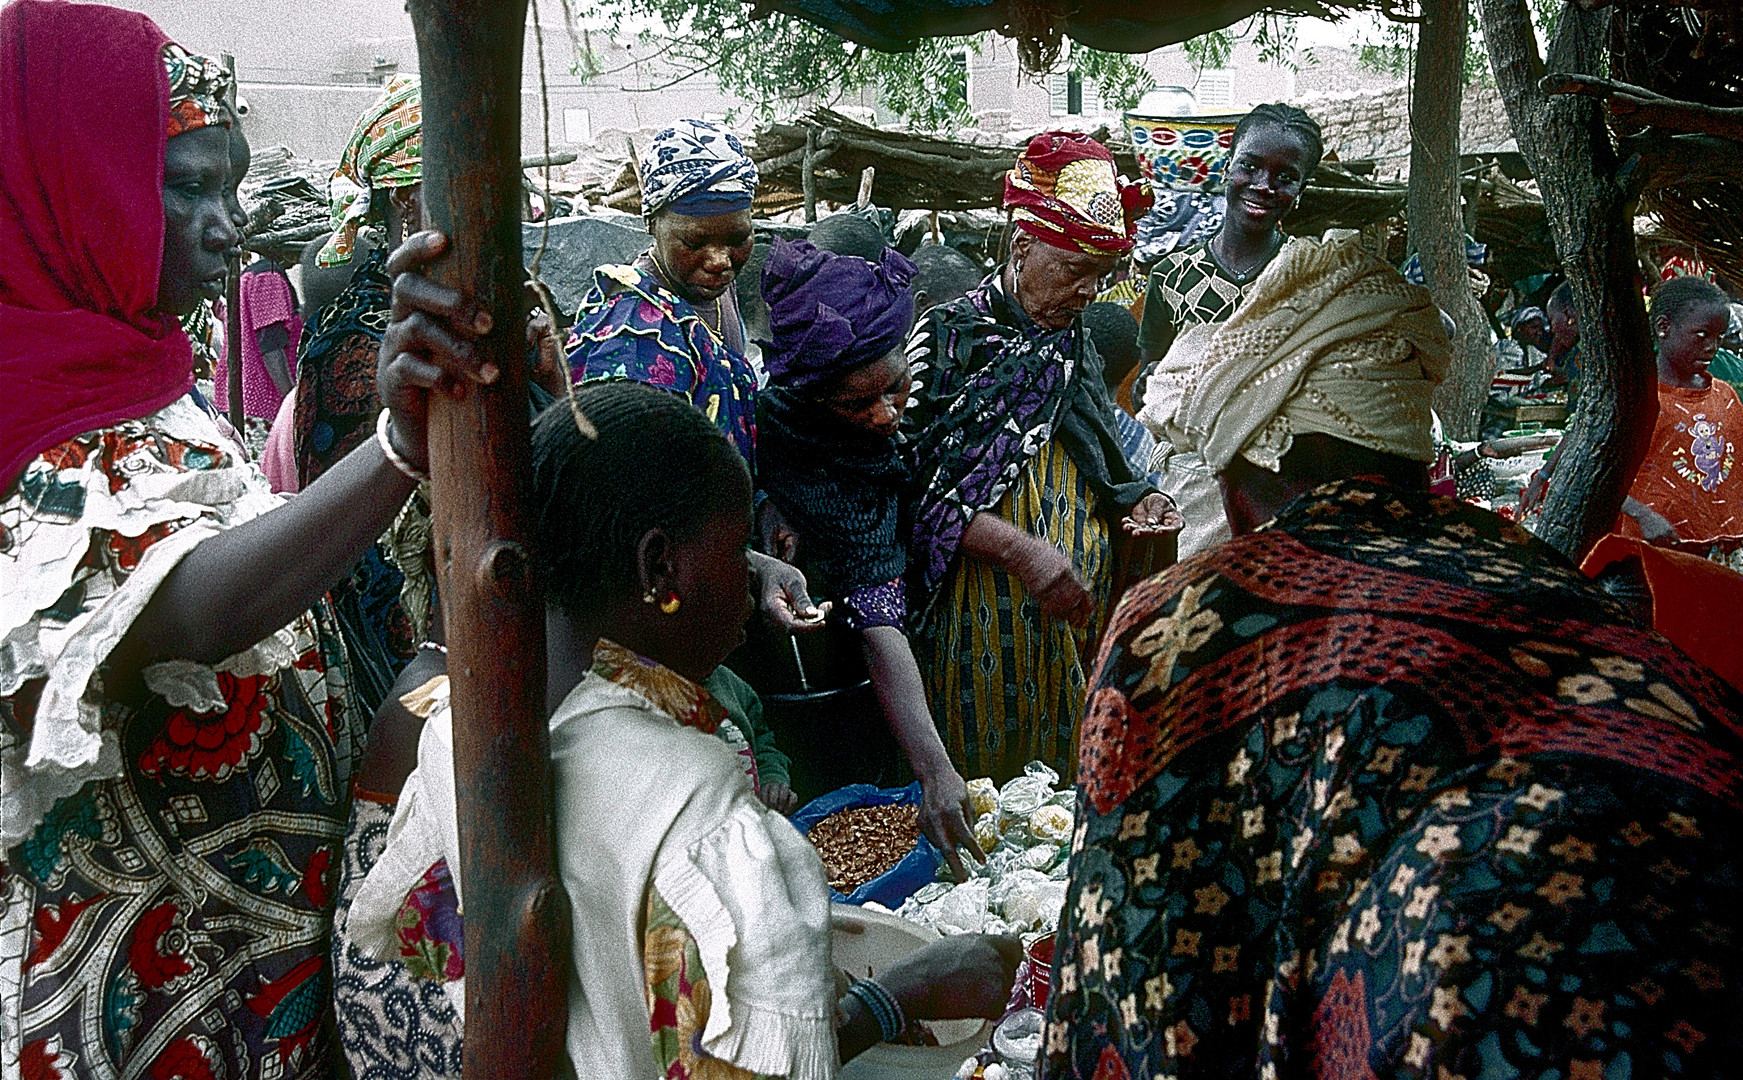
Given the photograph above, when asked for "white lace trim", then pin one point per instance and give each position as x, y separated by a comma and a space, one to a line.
68, 745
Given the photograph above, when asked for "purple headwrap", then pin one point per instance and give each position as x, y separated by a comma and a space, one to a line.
832, 313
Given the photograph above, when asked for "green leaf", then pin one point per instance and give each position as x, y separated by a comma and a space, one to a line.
308, 764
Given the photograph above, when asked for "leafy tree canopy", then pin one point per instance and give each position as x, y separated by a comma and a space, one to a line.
772, 62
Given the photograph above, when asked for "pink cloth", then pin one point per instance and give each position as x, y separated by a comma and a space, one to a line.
279, 459
266, 300
83, 106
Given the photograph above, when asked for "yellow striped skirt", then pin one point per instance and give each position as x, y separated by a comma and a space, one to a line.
1005, 681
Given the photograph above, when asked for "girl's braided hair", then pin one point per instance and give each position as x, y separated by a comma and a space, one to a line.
656, 462
1290, 119
1672, 299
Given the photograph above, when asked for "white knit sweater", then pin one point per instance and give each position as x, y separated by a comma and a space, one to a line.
643, 802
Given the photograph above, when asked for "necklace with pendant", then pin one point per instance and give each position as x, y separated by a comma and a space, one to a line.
1270, 250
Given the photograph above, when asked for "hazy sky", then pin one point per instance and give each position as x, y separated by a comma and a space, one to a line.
1360, 26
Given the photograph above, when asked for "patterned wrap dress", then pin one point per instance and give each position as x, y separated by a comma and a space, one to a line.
1387, 789
1014, 420
170, 858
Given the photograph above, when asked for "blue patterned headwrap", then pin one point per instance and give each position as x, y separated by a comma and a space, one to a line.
699, 169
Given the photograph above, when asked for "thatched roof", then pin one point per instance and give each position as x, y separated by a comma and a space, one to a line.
1699, 210
1374, 125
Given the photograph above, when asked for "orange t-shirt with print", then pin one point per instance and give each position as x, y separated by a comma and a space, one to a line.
1691, 474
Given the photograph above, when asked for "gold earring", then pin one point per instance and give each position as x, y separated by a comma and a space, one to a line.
670, 605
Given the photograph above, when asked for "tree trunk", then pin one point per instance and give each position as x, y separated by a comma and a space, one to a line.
1586, 197
1436, 217
517, 916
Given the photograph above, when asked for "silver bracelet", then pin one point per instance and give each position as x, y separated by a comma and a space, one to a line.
393, 457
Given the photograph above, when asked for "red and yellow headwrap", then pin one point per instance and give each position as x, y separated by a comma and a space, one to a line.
198, 90
1063, 192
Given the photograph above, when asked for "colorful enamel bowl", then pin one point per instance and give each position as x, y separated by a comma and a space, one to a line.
1182, 153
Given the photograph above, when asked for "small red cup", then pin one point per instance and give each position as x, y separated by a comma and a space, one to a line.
1040, 952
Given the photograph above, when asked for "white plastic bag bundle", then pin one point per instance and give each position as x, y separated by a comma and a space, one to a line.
963, 910
1050, 824
1022, 829
1036, 906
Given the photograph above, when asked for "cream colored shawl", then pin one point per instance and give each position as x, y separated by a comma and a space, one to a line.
1332, 340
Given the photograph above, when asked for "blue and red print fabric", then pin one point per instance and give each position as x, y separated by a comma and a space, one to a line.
1388, 790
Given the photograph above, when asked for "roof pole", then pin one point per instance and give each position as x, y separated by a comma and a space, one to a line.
517, 916
233, 310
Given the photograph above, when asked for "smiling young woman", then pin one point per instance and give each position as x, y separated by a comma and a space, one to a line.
1276, 148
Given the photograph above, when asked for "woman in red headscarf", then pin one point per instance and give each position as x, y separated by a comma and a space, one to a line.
175, 742
1023, 484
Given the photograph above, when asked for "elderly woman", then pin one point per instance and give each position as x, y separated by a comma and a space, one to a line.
1023, 486
671, 319
177, 743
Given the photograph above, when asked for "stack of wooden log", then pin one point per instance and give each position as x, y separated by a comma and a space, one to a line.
286, 200
931, 173
913, 171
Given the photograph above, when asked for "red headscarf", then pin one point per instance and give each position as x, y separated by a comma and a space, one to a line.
83, 104
1063, 191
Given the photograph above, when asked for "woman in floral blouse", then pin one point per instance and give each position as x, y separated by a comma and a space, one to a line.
176, 746
670, 319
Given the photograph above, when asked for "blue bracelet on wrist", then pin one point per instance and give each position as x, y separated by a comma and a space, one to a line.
882, 1005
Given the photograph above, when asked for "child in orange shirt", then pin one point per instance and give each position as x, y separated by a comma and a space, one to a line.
1688, 493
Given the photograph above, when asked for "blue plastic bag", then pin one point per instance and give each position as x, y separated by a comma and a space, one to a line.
890, 888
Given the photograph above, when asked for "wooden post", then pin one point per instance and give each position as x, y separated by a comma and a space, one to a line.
808, 174
233, 311
517, 916
1587, 195
867, 177
233, 345
1435, 218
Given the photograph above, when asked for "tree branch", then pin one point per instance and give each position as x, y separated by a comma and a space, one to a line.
1683, 160
692, 73
1645, 107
